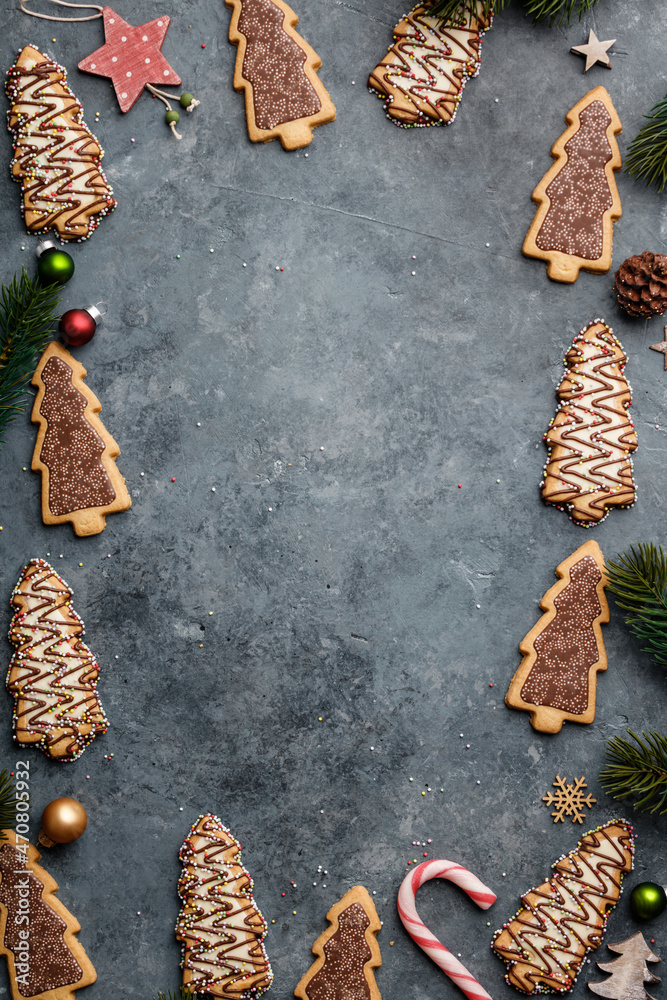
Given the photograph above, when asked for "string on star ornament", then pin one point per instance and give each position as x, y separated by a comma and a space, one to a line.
131, 58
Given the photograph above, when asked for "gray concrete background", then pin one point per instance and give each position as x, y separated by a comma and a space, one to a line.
341, 401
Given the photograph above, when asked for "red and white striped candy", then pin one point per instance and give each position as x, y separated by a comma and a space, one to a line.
420, 933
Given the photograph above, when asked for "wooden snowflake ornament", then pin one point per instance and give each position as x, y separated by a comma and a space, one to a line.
569, 800
131, 57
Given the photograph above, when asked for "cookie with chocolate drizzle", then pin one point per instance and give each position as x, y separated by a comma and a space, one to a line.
56, 156
74, 451
564, 652
220, 929
565, 917
37, 933
422, 77
578, 199
53, 674
277, 70
347, 952
592, 436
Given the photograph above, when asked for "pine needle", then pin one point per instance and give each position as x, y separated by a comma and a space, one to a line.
7, 803
184, 994
27, 316
639, 581
457, 11
646, 158
638, 770
555, 11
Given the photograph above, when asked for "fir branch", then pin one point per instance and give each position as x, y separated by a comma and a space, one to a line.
639, 581
555, 11
185, 993
27, 316
457, 11
647, 153
7, 803
638, 770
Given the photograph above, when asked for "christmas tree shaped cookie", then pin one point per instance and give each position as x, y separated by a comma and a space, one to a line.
565, 917
74, 451
590, 440
629, 972
219, 926
562, 654
347, 952
52, 675
578, 199
277, 69
421, 79
45, 959
56, 156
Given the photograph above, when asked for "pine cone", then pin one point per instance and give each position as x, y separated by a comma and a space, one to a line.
641, 284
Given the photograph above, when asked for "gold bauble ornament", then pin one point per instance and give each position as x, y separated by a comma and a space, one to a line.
63, 821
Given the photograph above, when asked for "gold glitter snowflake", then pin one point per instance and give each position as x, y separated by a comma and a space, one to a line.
569, 799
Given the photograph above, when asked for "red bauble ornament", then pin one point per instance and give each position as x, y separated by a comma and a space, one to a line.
77, 326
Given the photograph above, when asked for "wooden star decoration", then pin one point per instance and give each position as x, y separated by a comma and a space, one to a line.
662, 348
131, 57
594, 50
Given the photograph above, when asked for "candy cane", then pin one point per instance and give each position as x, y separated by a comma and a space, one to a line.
420, 933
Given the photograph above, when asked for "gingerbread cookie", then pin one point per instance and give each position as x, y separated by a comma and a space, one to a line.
74, 451
347, 952
565, 917
277, 69
220, 928
56, 156
564, 652
52, 675
421, 79
589, 468
37, 933
578, 199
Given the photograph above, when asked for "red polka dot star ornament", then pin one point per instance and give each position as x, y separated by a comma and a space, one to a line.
131, 57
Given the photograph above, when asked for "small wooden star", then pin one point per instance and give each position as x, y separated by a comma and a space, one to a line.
662, 348
594, 50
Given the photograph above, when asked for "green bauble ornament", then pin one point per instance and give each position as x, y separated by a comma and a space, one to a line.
647, 900
185, 100
55, 267
172, 116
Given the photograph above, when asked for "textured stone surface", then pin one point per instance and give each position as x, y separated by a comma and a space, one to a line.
341, 401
